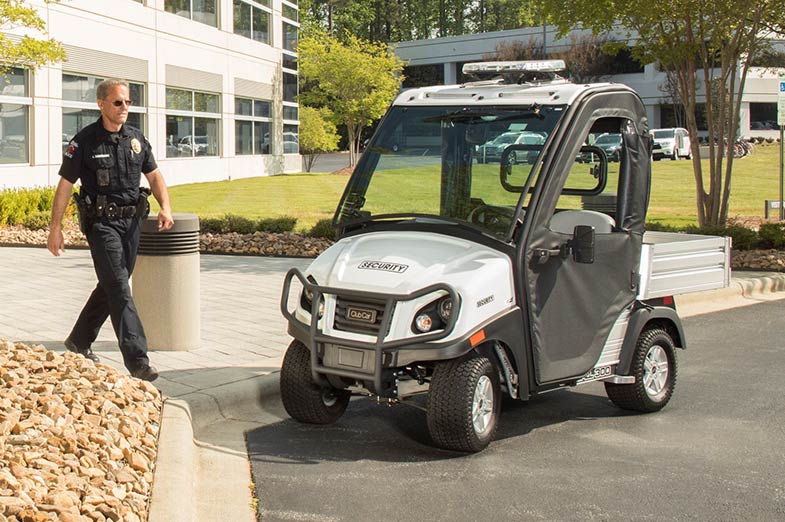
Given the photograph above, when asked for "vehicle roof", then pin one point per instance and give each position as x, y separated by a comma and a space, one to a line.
495, 92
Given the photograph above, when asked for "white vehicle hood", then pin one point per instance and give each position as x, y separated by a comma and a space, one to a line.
402, 262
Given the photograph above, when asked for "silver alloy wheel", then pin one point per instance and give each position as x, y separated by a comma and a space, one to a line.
328, 398
482, 405
656, 371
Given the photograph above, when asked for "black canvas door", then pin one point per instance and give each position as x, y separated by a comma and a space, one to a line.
573, 306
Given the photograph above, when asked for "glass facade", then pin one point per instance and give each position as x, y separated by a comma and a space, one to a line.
203, 11
251, 20
193, 123
253, 126
14, 117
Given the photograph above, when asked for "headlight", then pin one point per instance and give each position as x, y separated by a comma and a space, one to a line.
434, 316
306, 298
444, 307
423, 322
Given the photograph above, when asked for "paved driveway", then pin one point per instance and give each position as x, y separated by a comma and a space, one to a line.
715, 453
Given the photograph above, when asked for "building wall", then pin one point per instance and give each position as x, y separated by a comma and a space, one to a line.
761, 85
141, 42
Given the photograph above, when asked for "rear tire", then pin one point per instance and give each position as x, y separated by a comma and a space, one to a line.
303, 399
654, 369
464, 404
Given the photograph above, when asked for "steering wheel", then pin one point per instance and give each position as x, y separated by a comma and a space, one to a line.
491, 217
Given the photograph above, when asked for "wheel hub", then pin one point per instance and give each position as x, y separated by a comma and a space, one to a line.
655, 376
482, 405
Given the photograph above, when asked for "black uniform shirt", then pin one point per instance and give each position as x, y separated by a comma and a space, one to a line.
109, 164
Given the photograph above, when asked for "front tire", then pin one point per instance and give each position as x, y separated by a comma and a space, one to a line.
303, 399
654, 368
464, 404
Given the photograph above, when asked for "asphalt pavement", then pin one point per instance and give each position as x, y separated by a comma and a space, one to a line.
228, 387
714, 453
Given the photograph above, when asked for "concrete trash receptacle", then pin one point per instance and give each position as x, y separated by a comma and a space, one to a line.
165, 283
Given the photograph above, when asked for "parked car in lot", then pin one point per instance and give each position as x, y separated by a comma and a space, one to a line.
492, 151
671, 143
610, 145
193, 145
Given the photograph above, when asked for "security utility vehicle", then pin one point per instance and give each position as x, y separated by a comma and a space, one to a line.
466, 280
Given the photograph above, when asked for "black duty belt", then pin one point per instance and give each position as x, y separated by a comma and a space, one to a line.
115, 211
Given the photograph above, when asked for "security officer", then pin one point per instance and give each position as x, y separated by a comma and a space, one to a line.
109, 158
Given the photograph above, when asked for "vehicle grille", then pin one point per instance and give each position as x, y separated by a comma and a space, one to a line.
345, 323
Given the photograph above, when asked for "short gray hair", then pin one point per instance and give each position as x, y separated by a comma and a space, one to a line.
102, 91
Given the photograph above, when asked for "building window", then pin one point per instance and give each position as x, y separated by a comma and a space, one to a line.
763, 116
15, 105
289, 12
289, 36
289, 87
252, 21
204, 11
80, 109
289, 61
193, 123
253, 126
291, 139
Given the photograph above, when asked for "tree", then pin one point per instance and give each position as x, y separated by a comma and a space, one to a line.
317, 134
357, 80
25, 51
713, 43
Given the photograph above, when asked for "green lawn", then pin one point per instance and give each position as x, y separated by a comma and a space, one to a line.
310, 197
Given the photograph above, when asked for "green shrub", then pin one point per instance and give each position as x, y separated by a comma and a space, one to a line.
323, 228
212, 225
37, 220
772, 235
277, 225
17, 204
743, 237
239, 224
656, 226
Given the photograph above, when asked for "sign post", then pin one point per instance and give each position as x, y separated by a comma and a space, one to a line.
781, 123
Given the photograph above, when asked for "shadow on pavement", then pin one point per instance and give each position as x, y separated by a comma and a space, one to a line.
399, 433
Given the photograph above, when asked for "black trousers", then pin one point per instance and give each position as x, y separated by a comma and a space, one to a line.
113, 246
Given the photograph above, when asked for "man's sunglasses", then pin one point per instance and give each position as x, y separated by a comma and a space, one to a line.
119, 103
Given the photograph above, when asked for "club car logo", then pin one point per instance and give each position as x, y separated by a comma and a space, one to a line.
385, 267
362, 315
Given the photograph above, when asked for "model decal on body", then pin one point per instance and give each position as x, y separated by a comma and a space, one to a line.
385, 267
484, 301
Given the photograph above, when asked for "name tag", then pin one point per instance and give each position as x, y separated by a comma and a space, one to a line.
99, 156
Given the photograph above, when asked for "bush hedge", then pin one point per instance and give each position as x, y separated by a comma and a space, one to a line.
242, 225
18, 205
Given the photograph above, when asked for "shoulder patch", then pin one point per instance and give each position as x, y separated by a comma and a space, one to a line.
69, 152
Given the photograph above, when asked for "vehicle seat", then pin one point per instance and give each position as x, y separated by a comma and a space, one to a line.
565, 222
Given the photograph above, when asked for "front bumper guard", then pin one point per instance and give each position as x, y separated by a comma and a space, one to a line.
379, 347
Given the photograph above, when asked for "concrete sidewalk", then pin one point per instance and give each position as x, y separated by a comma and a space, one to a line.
229, 385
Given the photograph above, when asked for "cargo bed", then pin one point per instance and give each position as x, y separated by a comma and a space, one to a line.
673, 263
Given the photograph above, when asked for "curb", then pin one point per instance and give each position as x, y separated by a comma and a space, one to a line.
741, 292
202, 469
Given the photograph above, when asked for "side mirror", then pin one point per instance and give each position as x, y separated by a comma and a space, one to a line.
582, 244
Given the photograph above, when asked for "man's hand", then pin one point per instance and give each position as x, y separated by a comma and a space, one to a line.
165, 220
55, 242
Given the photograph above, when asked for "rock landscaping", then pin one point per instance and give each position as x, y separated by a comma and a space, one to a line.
78, 440
255, 244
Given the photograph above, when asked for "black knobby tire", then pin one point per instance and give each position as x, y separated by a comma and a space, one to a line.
303, 399
652, 389
451, 404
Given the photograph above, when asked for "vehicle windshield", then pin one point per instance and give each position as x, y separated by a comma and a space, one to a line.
608, 139
662, 134
447, 163
508, 137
